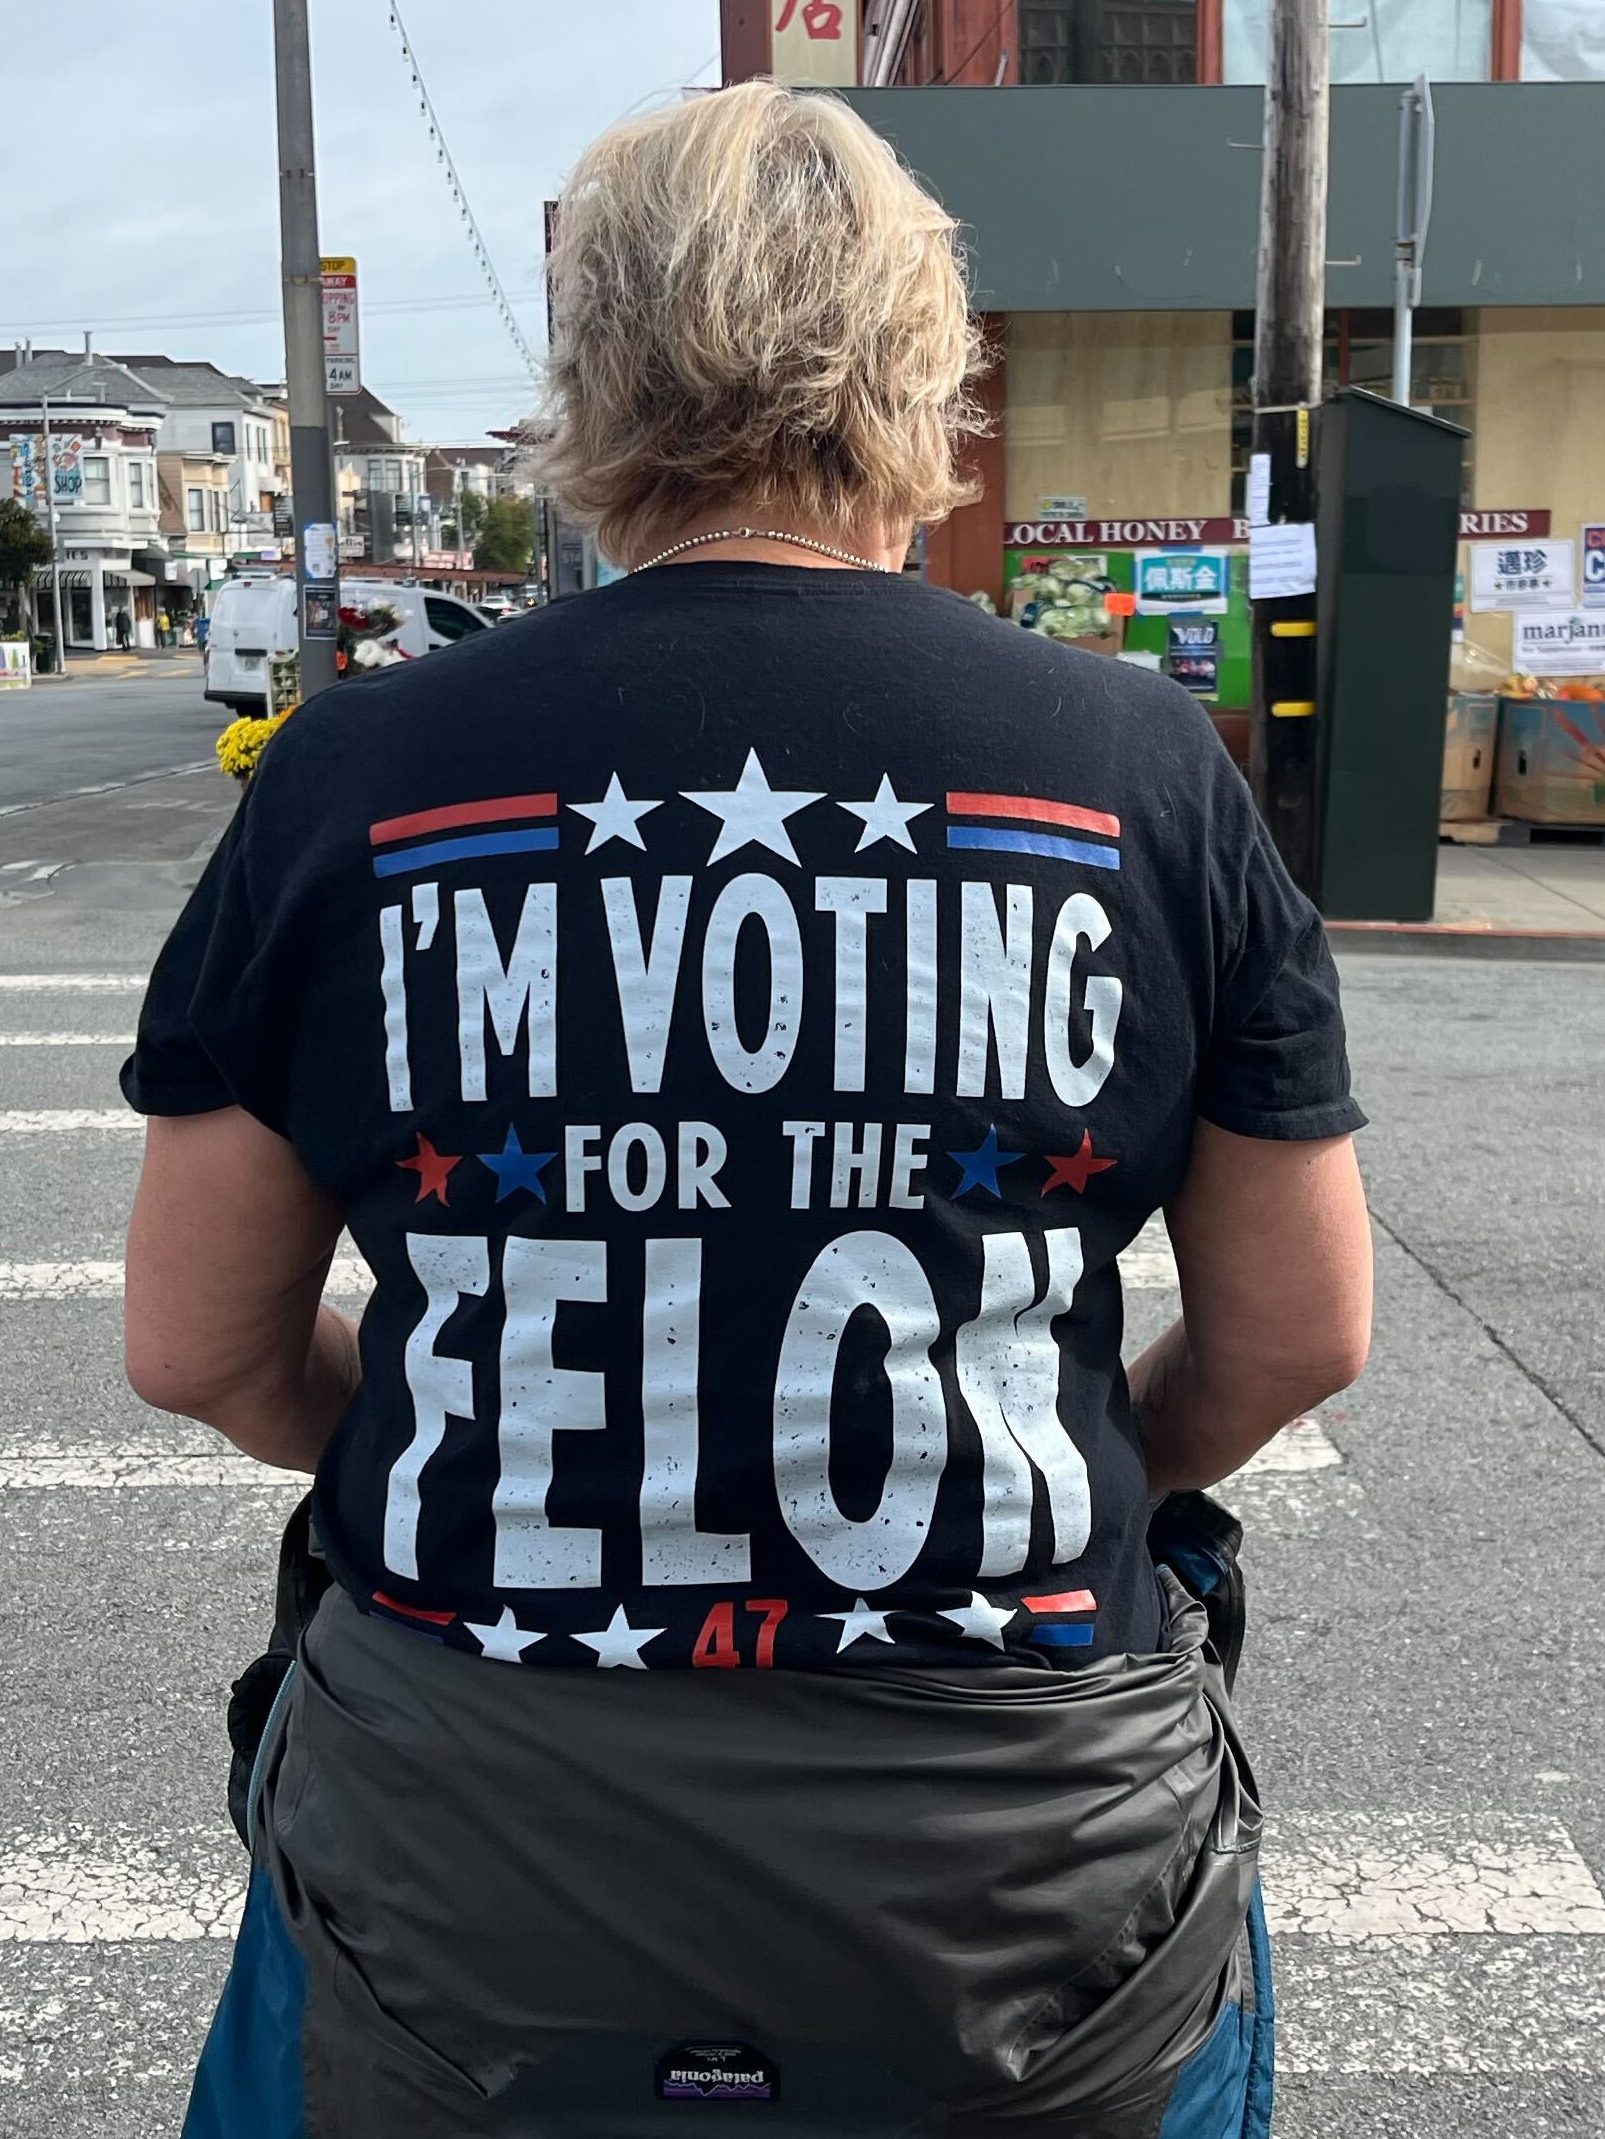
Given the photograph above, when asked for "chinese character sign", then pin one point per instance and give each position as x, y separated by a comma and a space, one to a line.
814, 41
1188, 582
1531, 575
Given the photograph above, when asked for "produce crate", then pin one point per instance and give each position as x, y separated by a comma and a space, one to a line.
1551, 762
1468, 755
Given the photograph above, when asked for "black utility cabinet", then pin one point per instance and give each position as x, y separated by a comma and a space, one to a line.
1388, 527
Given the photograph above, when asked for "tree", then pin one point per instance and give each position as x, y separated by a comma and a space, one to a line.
507, 536
461, 531
24, 546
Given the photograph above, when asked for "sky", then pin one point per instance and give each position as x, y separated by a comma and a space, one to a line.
150, 212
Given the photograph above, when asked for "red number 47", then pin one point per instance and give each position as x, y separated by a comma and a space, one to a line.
715, 1647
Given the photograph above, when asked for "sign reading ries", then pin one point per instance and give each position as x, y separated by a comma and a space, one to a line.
342, 355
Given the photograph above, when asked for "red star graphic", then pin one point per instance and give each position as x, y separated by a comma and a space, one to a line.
432, 1168
1076, 1170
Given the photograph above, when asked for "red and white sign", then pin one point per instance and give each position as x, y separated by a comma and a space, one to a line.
1484, 525
342, 352
1487, 525
814, 41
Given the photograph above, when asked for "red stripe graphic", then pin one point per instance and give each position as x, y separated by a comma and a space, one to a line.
1070, 1600
1024, 809
456, 813
412, 1611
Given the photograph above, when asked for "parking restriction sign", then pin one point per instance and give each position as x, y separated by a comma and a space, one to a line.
342, 358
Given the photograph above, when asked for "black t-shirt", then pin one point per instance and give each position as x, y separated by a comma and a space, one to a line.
743, 1013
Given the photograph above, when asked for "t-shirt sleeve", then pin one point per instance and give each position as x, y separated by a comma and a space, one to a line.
211, 1030
1277, 1061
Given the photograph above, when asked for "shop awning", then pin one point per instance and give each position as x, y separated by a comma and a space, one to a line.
76, 576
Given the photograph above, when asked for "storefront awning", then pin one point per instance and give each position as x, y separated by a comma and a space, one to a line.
122, 576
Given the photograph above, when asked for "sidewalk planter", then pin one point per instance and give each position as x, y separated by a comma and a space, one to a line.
1551, 765
1468, 756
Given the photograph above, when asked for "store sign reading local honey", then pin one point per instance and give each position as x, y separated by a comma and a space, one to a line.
1483, 525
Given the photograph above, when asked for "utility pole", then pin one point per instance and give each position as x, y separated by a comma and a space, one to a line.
316, 544
55, 553
1289, 332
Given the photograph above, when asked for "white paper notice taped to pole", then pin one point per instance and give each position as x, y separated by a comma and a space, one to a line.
1281, 561
1259, 489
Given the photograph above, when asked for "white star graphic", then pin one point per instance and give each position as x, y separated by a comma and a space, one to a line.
506, 1640
982, 1621
885, 817
615, 817
859, 1623
620, 1643
754, 813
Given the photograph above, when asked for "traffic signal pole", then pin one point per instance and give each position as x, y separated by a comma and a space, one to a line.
1289, 332
311, 477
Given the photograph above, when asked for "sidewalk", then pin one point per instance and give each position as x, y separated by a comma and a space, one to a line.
1538, 901
83, 668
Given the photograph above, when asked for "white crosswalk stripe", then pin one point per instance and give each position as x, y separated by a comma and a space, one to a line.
70, 1121
72, 983
349, 1279
66, 1039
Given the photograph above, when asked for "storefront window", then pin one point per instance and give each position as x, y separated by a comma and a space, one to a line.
1130, 411
1563, 41
1143, 41
1446, 40
1359, 352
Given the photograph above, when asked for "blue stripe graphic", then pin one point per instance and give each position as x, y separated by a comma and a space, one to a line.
406, 859
1060, 850
1062, 1637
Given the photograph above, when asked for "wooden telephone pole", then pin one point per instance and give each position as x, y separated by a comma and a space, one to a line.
1289, 331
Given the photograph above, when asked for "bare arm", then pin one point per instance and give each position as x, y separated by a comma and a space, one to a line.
1273, 1248
228, 1249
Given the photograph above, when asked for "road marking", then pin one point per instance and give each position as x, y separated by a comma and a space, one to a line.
1303, 1446
79, 983
66, 1039
349, 1279
1408, 1889
1356, 1880
69, 1121
1150, 1262
58, 1890
134, 1470
109, 787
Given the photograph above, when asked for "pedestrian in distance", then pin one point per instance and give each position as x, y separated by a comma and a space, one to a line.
752, 1641
164, 628
123, 628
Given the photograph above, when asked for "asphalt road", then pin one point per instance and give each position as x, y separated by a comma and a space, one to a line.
1420, 1693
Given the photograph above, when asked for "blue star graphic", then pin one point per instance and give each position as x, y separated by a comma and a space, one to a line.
516, 1168
980, 1166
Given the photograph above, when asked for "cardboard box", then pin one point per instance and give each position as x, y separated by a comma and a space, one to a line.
1551, 762
1468, 756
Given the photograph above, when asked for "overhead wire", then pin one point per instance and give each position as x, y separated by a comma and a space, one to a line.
443, 156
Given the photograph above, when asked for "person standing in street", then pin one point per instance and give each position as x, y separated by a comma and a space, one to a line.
755, 1642
123, 629
164, 628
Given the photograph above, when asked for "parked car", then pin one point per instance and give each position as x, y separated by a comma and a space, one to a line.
253, 619
497, 608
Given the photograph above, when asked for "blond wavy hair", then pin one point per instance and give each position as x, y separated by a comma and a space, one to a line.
755, 304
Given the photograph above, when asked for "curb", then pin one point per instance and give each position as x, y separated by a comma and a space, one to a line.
1439, 939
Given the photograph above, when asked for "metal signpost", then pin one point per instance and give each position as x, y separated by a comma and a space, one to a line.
1416, 139
311, 477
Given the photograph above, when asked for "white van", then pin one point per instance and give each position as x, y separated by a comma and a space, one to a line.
254, 618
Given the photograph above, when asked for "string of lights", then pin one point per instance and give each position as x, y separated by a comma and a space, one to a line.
443, 157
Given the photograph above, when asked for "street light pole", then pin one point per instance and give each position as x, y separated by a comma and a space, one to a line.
1289, 338
311, 484
55, 553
